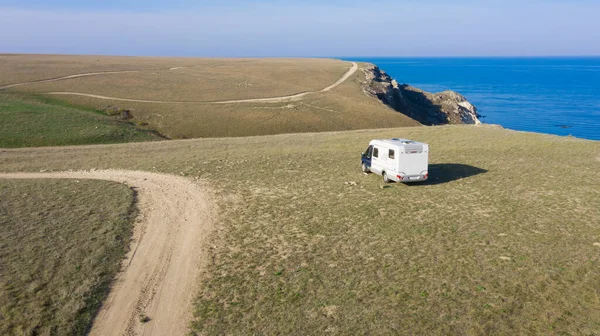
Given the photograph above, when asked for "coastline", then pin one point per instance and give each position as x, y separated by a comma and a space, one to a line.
550, 95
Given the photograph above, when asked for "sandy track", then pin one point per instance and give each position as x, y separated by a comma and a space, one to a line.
161, 272
347, 75
120, 99
87, 74
296, 96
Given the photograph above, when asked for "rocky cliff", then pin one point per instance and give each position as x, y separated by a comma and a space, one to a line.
442, 108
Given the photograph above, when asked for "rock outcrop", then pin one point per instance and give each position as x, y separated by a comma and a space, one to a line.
441, 108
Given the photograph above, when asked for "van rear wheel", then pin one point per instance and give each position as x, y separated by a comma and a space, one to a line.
386, 179
365, 169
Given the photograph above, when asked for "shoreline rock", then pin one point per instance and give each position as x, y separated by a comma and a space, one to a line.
429, 109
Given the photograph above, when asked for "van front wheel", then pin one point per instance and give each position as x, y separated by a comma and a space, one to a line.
386, 179
365, 169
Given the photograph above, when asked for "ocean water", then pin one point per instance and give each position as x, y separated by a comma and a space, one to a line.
549, 95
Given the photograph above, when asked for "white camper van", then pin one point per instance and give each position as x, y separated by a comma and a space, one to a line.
399, 160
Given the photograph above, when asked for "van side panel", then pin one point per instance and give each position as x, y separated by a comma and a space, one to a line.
383, 162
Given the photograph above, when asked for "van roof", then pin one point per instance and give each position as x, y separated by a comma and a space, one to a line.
400, 142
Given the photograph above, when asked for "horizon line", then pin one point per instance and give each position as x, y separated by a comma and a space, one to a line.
2, 53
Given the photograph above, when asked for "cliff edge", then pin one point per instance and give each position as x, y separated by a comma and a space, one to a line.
441, 108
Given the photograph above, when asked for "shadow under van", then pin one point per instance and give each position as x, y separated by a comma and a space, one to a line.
440, 173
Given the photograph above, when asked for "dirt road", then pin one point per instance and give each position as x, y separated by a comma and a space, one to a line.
296, 96
347, 75
121, 99
160, 275
87, 74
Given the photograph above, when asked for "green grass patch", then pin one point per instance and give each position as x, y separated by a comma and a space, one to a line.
28, 121
61, 243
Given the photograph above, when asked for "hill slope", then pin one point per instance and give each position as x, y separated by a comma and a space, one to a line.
27, 121
176, 96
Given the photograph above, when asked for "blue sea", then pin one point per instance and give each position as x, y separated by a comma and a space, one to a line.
549, 95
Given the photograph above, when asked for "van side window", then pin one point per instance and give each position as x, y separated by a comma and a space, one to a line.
391, 154
376, 152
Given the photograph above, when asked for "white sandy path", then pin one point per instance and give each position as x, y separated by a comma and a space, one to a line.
296, 96
120, 99
87, 74
161, 273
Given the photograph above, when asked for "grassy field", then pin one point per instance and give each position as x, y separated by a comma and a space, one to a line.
192, 88
17, 68
209, 80
344, 108
27, 121
504, 238
61, 243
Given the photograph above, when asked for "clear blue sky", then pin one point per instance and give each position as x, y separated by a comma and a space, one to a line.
301, 28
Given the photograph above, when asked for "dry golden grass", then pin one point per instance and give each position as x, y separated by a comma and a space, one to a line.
17, 68
208, 80
177, 79
344, 108
502, 240
205, 80
61, 243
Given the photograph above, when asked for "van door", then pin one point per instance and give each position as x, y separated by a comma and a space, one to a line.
367, 156
376, 161
391, 161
